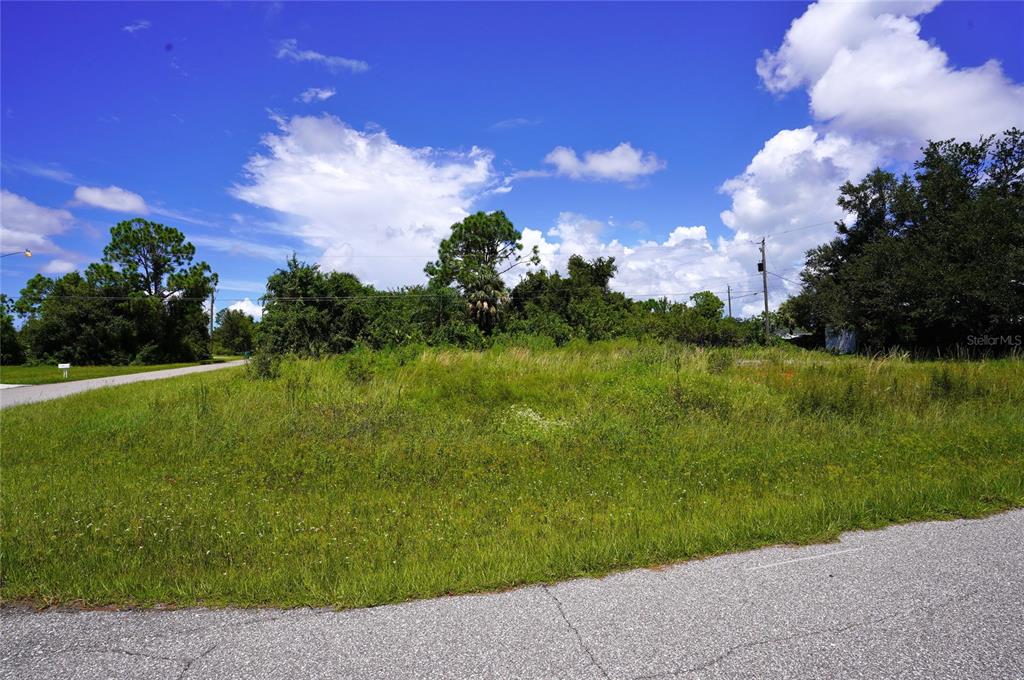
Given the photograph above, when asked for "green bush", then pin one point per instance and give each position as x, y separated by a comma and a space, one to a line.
263, 365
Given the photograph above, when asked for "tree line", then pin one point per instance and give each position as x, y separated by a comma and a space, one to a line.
142, 303
145, 302
929, 260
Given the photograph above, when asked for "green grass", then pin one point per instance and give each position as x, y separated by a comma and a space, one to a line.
375, 478
42, 375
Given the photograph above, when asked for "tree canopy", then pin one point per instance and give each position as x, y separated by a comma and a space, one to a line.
929, 260
235, 332
144, 303
481, 249
156, 259
11, 350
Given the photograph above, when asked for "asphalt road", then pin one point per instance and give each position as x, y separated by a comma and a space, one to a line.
27, 394
932, 600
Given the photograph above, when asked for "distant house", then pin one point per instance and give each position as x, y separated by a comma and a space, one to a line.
840, 340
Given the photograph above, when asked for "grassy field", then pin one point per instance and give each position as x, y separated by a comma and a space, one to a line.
375, 478
42, 375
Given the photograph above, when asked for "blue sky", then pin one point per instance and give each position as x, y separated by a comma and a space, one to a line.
355, 134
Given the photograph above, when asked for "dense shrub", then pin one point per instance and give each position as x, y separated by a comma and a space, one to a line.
263, 365
309, 312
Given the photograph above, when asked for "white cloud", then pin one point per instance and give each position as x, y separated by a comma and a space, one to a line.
112, 198
788, 193
681, 234
23, 224
686, 262
317, 94
378, 209
137, 25
621, 164
870, 74
793, 181
289, 49
824, 29
58, 266
368, 204
249, 307
877, 92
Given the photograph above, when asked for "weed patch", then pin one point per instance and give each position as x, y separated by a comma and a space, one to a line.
375, 477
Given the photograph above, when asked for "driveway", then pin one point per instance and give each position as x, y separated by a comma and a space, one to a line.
27, 394
931, 600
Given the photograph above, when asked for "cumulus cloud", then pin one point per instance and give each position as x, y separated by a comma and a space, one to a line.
112, 198
137, 25
788, 193
824, 29
317, 94
247, 306
680, 235
684, 263
793, 181
877, 91
621, 164
870, 74
23, 224
374, 207
289, 49
366, 203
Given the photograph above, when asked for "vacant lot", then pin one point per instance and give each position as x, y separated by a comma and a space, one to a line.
372, 478
43, 375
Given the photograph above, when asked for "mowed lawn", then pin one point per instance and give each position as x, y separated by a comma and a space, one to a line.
41, 375
375, 478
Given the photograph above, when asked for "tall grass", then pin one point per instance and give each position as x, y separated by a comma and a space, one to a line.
377, 477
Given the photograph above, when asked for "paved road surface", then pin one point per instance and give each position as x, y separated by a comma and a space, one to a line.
934, 600
27, 394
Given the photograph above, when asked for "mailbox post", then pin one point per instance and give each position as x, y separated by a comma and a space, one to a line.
64, 367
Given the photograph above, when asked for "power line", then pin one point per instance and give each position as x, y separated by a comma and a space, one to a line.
785, 279
806, 226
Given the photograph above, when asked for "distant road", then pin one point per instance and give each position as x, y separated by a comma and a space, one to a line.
27, 394
935, 600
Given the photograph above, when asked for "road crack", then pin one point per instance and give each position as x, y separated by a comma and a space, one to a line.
579, 638
190, 662
928, 610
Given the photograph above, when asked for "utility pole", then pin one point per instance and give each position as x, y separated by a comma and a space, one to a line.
211, 322
728, 291
763, 268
